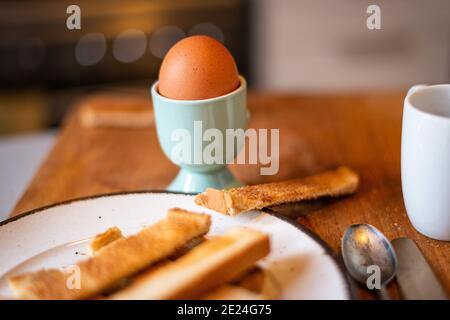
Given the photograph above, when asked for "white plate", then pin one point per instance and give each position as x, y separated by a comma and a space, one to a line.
57, 236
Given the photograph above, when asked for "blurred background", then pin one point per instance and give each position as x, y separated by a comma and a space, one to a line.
301, 46
282, 45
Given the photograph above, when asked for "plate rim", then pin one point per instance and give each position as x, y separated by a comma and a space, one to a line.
314, 236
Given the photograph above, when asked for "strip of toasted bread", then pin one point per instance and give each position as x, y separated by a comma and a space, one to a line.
112, 234
209, 265
119, 259
188, 246
232, 292
116, 112
236, 200
103, 239
128, 280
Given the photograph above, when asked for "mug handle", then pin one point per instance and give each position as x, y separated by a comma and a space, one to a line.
415, 88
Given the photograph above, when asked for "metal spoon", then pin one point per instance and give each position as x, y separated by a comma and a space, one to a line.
367, 253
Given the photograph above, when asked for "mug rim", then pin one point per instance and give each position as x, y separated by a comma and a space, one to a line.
426, 113
242, 86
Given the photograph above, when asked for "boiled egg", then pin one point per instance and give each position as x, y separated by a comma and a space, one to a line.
197, 68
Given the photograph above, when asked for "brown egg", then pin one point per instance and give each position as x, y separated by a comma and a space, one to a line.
197, 68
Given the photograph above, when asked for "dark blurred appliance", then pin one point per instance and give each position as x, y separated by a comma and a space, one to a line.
119, 40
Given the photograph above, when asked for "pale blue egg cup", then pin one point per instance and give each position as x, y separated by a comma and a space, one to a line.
180, 117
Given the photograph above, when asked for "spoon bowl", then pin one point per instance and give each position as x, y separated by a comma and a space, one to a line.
365, 249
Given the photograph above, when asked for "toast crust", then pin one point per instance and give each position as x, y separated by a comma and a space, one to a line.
233, 201
116, 112
207, 266
119, 259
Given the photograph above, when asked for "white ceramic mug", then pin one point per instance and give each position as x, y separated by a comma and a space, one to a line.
425, 159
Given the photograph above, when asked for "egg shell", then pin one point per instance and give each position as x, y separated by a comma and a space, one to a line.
197, 68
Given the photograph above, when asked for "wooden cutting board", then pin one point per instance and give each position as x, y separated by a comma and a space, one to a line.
316, 133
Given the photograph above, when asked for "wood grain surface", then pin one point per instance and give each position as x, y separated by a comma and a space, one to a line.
317, 132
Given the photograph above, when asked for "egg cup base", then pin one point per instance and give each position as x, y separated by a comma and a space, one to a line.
195, 182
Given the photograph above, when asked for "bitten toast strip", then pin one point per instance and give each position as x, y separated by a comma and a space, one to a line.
209, 265
119, 259
236, 200
103, 239
112, 234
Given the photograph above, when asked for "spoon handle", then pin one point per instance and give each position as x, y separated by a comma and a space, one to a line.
383, 293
